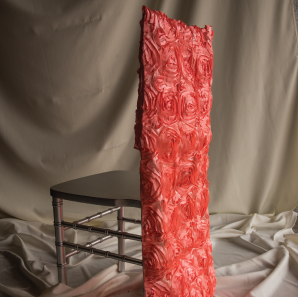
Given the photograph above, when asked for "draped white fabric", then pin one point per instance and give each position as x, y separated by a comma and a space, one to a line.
254, 255
68, 93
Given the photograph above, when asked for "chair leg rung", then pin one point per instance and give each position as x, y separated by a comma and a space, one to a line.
129, 220
102, 253
94, 217
106, 232
90, 244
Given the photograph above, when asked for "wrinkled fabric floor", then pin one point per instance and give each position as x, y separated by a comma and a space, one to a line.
254, 255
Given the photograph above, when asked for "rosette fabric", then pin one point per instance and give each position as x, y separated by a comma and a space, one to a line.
172, 133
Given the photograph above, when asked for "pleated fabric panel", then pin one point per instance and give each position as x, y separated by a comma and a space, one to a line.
173, 133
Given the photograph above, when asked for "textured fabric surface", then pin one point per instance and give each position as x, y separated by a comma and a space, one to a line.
172, 133
68, 94
254, 256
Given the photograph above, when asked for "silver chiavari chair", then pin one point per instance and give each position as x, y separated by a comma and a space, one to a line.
117, 189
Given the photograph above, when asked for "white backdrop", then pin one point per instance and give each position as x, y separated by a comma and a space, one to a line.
68, 93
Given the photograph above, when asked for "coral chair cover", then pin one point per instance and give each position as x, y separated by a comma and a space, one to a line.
173, 134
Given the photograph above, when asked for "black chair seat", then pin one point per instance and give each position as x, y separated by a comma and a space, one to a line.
113, 188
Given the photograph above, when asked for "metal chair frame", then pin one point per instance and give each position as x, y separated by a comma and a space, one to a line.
61, 226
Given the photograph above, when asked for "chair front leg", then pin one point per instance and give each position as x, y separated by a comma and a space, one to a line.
59, 238
121, 242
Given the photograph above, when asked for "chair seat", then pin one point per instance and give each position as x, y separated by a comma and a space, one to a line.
113, 188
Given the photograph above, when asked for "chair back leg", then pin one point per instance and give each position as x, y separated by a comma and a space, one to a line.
121, 241
59, 237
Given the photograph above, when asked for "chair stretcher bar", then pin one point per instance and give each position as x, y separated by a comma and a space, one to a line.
129, 220
123, 235
105, 254
89, 244
94, 217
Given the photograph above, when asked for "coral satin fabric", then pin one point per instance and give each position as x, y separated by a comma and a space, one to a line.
173, 134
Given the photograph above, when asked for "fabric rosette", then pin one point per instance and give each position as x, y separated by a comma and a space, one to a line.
152, 223
150, 57
148, 144
167, 32
164, 34
189, 208
160, 37
168, 182
196, 292
149, 21
205, 99
208, 34
154, 257
174, 250
160, 84
187, 63
185, 236
198, 38
149, 103
168, 107
185, 86
177, 220
185, 34
157, 289
168, 145
191, 273
185, 280
205, 134
191, 276
150, 183
201, 257
189, 106
204, 66
170, 63
178, 282
190, 139
201, 233
183, 213
203, 164
186, 177
202, 201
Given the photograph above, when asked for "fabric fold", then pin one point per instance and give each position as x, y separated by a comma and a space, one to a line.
246, 264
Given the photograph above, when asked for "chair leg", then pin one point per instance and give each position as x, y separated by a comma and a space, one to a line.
59, 237
121, 242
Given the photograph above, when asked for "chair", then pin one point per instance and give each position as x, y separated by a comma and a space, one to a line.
117, 189
172, 133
